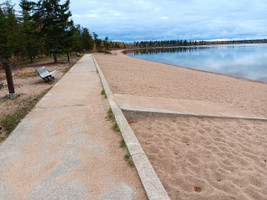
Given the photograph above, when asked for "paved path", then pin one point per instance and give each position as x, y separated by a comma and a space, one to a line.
65, 148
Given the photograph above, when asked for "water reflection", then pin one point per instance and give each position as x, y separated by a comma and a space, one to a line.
243, 60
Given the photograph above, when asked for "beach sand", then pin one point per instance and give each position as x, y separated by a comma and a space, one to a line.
200, 158
133, 76
197, 158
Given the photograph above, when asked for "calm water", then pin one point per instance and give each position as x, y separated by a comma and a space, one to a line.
242, 60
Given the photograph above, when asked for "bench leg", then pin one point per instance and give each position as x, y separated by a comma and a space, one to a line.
51, 78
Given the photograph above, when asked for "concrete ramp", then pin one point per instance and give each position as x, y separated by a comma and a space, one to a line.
183, 107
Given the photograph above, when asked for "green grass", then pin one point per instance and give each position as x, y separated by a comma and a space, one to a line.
3, 138
127, 157
103, 92
10, 121
123, 144
111, 115
116, 127
129, 160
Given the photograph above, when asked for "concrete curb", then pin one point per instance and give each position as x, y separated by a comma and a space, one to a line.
133, 113
151, 183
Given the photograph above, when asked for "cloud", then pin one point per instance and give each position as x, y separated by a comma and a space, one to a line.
164, 17
115, 13
90, 15
130, 20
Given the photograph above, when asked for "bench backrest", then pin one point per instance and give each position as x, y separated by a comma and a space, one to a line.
42, 71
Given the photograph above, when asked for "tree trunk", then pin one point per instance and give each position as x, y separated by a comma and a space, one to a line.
55, 58
31, 59
9, 78
68, 55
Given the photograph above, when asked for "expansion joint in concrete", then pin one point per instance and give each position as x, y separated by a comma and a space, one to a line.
136, 154
60, 107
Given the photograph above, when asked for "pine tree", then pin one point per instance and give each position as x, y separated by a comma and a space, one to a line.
69, 40
77, 44
87, 40
5, 49
54, 23
8, 31
30, 33
97, 41
8, 41
106, 44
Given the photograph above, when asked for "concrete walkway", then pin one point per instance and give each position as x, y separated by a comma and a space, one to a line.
66, 149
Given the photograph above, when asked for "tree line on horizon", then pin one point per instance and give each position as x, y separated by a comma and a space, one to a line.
44, 28
173, 43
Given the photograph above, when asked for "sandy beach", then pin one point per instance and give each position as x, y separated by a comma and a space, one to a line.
197, 158
133, 76
225, 159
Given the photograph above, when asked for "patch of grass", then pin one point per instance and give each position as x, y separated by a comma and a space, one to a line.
130, 162
103, 92
127, 158
10, 121
123, 144
112, 118
97, 71
116, 127
3, 138
111, 115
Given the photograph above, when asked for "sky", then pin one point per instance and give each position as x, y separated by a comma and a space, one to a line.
145, 20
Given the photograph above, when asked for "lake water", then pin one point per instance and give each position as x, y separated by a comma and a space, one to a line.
241, 60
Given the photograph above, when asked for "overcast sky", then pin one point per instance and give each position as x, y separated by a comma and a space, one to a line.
135, 20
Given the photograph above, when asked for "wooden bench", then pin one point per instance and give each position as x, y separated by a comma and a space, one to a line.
45, 74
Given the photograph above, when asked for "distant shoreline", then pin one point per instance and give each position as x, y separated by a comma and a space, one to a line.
175, 43
207, 59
